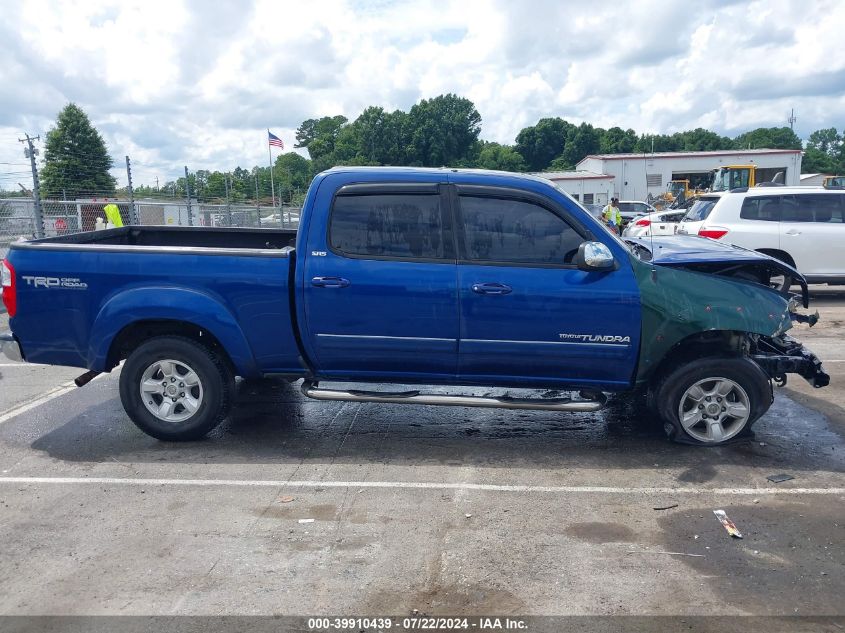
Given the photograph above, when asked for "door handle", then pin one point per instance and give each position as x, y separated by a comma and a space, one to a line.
329, 282
792, 232
491, 288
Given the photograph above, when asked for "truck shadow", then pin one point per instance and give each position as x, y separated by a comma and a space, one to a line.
272, 423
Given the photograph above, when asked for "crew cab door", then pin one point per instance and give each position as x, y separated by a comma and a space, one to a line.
812, 231
379, 283
528, 315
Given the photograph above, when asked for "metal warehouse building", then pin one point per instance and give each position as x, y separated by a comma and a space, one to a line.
635, 176
584, 186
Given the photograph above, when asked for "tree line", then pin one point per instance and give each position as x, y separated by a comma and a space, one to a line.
442, 131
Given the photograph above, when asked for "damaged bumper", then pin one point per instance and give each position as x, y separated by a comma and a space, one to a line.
782, 355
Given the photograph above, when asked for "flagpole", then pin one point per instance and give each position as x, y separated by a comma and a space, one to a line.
272, 184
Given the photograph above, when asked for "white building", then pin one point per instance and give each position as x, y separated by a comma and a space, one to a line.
635, 176
585, 186
813, 180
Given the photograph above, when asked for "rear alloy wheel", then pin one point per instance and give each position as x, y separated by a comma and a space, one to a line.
710, 401
176, 389
171, 390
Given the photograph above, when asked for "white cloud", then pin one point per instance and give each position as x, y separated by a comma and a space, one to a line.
176, 82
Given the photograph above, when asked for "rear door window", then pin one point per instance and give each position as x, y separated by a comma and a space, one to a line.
516, 232
765, 208
819, 207
402, 226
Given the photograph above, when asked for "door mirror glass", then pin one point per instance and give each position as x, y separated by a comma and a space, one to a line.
594, 256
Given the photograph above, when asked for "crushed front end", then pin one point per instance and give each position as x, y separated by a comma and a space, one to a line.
700, 295
781, 355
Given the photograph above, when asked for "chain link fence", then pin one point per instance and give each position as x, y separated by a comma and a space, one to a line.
61, 217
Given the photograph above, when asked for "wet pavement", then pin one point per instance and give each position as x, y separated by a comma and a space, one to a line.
444, 510
302, 507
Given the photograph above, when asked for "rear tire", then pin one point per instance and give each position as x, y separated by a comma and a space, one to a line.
711, 401
176, 389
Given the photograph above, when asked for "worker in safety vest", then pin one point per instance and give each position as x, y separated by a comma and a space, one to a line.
612, 216
113, 215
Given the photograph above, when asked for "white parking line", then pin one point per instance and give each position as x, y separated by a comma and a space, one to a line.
416, 485
36, 402
23, 365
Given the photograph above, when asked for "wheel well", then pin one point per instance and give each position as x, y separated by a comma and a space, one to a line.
701, 345
139, 332
783, 256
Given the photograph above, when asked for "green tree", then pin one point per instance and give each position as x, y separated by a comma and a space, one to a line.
769, 138
580, 142
442, 131
293, 174
76, 160
658, 143
319, 135
827, 141
540, 144
380, 136
617, 141
816, 161
825, 153
701, 140
501, 157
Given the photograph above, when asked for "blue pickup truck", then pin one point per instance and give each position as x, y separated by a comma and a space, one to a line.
415, 277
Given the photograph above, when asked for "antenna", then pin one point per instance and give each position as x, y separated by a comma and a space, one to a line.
792, 119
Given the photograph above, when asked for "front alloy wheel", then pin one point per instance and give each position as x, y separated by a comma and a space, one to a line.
711, 400
714, 410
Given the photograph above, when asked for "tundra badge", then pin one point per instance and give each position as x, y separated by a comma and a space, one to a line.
596, 338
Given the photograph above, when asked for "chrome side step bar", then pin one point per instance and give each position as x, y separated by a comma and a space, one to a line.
596, 401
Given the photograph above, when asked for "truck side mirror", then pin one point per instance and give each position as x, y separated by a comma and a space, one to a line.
594, 257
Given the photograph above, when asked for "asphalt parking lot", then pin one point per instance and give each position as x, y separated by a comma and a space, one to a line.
303, 507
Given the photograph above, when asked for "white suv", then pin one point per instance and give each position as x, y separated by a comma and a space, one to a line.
802, 226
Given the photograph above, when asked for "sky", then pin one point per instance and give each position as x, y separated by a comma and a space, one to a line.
190, 82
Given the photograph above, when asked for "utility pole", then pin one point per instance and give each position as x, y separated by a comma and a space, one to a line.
792, 119
228, 207
188, 198
133, 212
257, 206
30, 152
156, 183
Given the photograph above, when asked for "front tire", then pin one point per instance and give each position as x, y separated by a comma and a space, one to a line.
711, 401
175, 389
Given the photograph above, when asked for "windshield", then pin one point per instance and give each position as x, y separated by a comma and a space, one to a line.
726, 179
721, 180
676, 188
700, 209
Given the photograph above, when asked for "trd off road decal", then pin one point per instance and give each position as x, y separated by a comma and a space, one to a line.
55, 282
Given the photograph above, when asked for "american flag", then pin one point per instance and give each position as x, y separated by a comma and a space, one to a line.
275, 140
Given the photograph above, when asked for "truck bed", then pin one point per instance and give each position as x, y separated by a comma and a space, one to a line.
168, 237
79, 293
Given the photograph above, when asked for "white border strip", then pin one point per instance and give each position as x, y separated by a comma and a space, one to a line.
424, 485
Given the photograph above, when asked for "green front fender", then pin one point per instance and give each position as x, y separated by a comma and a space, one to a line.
678, 303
